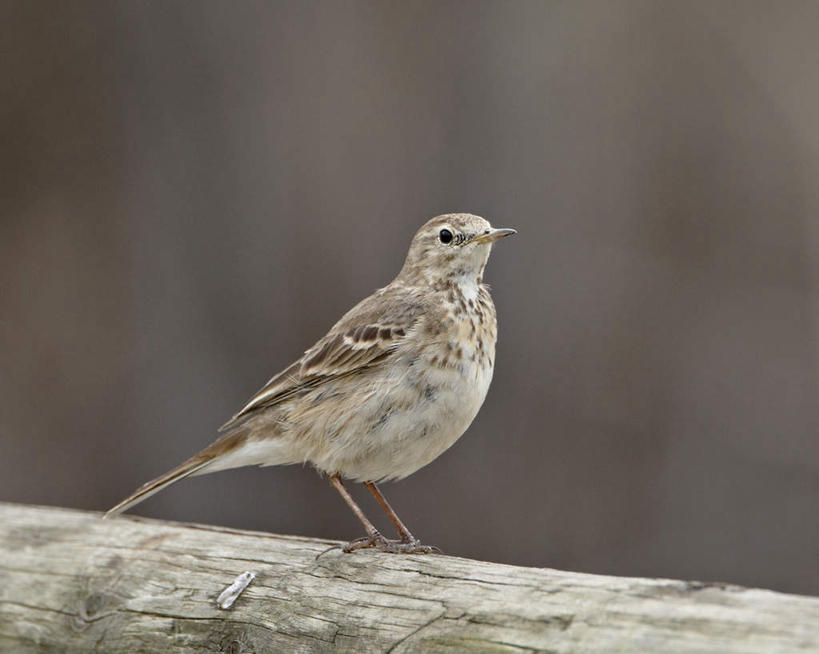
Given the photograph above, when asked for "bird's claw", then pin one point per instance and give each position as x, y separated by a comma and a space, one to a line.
379, 542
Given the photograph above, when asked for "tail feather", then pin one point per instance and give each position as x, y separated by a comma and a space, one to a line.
190, 467
228, 451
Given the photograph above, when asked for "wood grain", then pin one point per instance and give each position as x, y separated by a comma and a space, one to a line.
71, 582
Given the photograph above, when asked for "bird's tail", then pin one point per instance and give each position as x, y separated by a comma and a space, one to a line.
232, 450
190, 467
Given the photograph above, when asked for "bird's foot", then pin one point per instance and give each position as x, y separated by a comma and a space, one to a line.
379, 542
414, 547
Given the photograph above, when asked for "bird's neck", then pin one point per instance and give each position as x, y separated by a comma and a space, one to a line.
464, 271
467, 288
467, 282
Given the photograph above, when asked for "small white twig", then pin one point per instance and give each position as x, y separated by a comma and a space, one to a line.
232, 592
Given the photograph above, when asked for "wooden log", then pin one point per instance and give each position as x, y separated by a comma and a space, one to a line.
71, 582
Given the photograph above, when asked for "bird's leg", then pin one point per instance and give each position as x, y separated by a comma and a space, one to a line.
373, 537
409, 543
400, 527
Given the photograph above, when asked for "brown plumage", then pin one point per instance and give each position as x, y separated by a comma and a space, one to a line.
390, 387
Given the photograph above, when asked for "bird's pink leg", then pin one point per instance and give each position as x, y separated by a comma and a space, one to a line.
373, 535
409, 542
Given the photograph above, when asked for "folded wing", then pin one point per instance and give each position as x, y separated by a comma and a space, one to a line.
351, 345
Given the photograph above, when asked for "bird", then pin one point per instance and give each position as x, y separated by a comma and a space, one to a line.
393, 384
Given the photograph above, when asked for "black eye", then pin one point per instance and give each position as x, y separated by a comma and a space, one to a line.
445, 235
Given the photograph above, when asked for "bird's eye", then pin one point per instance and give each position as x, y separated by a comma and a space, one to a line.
445, 235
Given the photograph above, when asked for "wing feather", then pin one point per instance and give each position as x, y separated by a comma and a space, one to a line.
359, 340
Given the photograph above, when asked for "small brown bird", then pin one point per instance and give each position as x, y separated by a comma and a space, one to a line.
391, 386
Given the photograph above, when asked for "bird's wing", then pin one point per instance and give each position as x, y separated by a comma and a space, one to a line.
365, 337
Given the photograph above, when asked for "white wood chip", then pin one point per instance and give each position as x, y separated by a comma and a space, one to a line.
228, 596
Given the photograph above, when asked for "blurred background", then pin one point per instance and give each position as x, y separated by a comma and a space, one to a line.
192, 193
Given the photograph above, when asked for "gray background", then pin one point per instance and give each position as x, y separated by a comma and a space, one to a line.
193, 192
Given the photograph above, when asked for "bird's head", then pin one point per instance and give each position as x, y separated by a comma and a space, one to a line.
453, 247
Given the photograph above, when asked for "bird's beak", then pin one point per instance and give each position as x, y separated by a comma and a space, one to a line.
492, 235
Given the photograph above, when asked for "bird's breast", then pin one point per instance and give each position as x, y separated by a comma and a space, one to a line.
432, 397
409, 412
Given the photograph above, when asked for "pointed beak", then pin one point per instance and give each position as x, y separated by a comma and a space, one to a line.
492, 235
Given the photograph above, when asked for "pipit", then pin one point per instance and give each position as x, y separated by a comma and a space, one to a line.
391, 386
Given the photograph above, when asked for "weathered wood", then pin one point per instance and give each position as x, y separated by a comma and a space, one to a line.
71, 582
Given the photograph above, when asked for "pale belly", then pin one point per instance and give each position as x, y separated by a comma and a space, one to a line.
415, 415
389, 427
